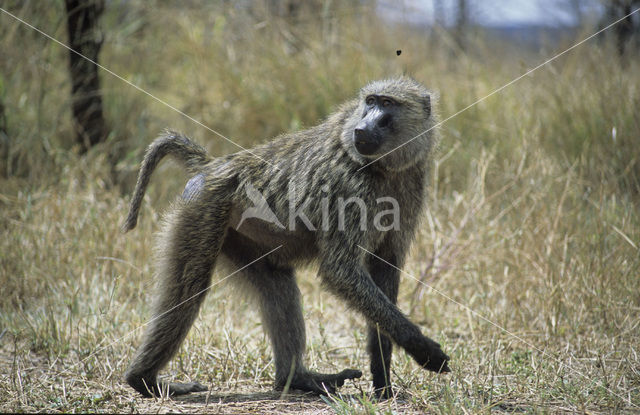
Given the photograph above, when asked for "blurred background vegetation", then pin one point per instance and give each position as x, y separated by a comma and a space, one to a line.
251, 70
533, 214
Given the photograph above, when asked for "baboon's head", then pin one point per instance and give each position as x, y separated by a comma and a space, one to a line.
392, 116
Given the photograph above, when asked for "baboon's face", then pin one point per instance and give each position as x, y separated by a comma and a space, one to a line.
392, 122
380, 113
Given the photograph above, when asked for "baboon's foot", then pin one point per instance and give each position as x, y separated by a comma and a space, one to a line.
149, 387
321, 383
383, 393
429, 355
176, 389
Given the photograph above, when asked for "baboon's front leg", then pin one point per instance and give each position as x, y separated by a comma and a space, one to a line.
187, 255
379, 346
343, 273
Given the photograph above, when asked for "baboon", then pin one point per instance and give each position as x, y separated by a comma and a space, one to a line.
299, 176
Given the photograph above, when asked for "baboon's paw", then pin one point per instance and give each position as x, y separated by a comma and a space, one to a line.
323, 383
149, 387
176, 389
430, 356
438, 362
384, 393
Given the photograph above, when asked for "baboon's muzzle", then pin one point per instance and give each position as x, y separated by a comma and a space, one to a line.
365, 142
367, 136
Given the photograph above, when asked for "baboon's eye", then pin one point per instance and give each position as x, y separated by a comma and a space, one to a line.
386, 102
370, 101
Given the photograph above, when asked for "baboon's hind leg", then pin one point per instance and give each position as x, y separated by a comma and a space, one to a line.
277, 293
192, 242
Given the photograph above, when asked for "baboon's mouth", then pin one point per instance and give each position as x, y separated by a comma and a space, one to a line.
365, 144
366, 148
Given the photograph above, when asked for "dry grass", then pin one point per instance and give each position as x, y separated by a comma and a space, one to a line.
533, 222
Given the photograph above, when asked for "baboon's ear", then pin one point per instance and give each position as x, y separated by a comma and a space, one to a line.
426, 103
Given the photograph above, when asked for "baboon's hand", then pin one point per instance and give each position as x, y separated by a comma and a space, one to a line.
430, 356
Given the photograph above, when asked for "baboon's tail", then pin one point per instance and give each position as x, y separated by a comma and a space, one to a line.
169, 143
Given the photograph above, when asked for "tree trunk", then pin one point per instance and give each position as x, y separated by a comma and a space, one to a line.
462, 24
4, 143
85, 39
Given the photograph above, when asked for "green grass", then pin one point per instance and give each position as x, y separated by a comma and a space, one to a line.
533, 220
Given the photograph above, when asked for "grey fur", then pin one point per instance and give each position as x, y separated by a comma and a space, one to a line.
320, 161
